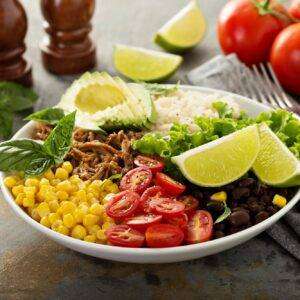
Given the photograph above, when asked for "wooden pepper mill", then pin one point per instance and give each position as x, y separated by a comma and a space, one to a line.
68, 49
13, 28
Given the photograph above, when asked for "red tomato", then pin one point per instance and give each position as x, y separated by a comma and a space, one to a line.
285, 58
181, 221
151, 193
244, 30
124, 236
166, 207
142, 222
199, 228
294, 9
145, 161
169, 185
136, 180
163, 235
123, 205
190, 202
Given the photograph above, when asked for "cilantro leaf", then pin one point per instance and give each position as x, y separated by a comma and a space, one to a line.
223, 109
51, 115
224, 215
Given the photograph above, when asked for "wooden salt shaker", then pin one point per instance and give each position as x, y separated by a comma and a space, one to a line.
13, 28
68, 49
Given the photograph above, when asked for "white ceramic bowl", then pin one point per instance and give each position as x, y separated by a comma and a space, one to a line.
147, 255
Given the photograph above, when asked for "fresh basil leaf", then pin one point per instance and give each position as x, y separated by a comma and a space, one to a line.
58, 142
23, 155
224, 215
51, 115
6, 123
16, 97
39, 165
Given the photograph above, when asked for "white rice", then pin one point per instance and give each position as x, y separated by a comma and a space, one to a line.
184, 106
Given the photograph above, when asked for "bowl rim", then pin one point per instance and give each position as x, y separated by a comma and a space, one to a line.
141, 252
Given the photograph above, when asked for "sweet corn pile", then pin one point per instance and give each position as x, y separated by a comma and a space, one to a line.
65, 203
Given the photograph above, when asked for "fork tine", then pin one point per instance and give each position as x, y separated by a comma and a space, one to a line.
286, 100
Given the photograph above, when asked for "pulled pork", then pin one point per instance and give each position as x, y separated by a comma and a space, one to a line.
97, 157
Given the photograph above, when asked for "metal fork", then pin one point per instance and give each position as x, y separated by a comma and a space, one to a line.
261, 84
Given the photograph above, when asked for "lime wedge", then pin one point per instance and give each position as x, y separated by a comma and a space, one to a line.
145, 65
184, 31
275, 164
221, 161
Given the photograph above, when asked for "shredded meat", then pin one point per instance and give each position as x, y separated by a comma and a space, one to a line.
42, 131
97, 157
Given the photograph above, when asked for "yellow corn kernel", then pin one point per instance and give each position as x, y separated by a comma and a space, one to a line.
91, 238
45, 221
81, 196
56, 224
75, 179
69, 220
94, 200
44, 181
106, 218
28, 202
90, 220
19, 199
101, 236
62, 229
279, 201
50, 196
10, 181
67, 207
107, 225
30, 192
79, 232
49, 174
96, 209
61, 174
220, 196
32, 182
18, 189
55, 182
84, 207
107, 198
67, 166
93, 229
60, 211
54, 206
62, 195
43, 209
78, 215
35, 215
65, 186
53, 217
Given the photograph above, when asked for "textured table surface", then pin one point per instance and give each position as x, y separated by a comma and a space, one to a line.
33, 267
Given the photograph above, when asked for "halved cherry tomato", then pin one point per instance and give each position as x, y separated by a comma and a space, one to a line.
190, 202
142, 222
153, 192
166, 207
200, 227
124, 236
163, 235
171, 186
145, 161
136, 180
123, 205
181, 221
294, 9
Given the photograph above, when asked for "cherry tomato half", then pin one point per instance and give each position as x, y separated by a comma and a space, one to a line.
181, 221
199, 228
190, 202
123, 205
169, 185
166, 207
136, 180
153, 164
124, 236
163, 235
294, 9
151, 193
142, 222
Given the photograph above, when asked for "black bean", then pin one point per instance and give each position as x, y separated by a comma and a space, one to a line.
240, 192
239, 218
246, 182
219, 227
218, 234
261, 216
272, 210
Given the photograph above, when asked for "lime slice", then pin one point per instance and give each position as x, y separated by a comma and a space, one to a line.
145, 65
275, 164
184, 31
221, 161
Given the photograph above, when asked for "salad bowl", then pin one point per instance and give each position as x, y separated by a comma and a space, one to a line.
162, 255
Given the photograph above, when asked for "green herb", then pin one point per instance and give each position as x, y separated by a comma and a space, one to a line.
115, 177
161, 90
13, 98
223, 109
224, 215
48, 115
35, 158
